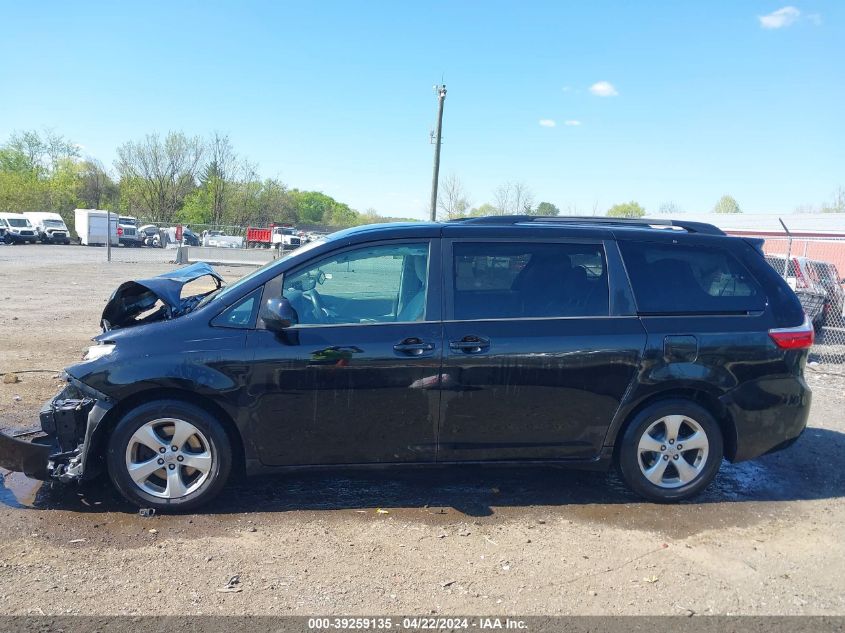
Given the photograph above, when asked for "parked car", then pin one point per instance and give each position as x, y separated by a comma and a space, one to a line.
659, 347
219, 240
18, 229
804, 281
150, 235
830, 280
50, 226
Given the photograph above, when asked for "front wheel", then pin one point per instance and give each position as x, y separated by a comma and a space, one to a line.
169, 455
670, 451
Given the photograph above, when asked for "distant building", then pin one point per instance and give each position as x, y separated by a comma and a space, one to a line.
815, 235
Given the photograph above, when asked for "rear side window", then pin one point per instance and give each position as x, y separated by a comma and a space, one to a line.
501, 280
677, 279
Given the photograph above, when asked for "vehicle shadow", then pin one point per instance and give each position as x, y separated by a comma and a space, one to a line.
807, 470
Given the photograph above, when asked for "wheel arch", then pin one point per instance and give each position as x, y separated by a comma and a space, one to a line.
100, 436
698, 395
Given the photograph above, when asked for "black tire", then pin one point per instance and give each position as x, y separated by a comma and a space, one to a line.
219, 447
629, 459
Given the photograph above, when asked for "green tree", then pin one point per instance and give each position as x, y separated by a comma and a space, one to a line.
547, 209
96, 188
727, 204
161, 172
626, 210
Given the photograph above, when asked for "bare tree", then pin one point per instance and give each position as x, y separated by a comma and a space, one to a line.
158, 174
669, 208
513, 198
452, 199
523, 199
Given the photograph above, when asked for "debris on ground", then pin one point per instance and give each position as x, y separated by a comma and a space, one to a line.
146, 513
153, 531
10, 379
381, 511
77, 540
232, 585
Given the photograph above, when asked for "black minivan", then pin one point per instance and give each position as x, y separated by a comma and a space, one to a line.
658, 346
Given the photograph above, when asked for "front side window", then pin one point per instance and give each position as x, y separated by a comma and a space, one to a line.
375, 284
18, 223
503, 280
678, 279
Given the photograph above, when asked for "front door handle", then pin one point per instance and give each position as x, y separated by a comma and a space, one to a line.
470, 345
413, 347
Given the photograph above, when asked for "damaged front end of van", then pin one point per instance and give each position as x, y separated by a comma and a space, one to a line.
68, 446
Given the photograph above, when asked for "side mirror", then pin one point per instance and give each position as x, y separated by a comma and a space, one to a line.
279, 314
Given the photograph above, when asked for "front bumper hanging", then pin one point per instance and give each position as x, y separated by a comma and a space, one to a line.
58, 452
29, 458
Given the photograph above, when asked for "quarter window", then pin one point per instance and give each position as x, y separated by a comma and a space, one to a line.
500, 280
676, 279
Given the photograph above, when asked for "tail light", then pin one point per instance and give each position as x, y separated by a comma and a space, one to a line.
800, 337
119, 231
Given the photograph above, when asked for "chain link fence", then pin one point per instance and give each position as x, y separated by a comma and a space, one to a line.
814, 269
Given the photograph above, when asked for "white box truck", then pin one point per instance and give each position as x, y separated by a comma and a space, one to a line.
90, 226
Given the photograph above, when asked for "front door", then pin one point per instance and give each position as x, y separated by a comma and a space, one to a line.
356, 379
535, 362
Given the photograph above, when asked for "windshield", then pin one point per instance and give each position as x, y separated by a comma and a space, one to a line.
130, 221
18, 222
54, 223
232, 290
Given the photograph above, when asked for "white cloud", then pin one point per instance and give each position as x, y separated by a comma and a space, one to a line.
603, 89
547, 123
787, 16
572, 122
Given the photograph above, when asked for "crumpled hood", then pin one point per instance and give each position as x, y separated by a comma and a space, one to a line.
133, 298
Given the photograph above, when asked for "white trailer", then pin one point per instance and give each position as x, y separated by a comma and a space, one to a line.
90, 226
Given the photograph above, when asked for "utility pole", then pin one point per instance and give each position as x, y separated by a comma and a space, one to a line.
441, 97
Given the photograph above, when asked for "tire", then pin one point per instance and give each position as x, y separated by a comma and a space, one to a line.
670, 482
174, 486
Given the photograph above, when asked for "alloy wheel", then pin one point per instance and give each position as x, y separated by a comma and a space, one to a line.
672, 452
169, 458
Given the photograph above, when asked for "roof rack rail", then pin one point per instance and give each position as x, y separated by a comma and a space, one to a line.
689, 227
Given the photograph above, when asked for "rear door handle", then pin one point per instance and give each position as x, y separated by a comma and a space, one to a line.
413, 347
470, 345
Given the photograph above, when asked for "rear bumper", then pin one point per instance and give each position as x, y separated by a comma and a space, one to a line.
768, 414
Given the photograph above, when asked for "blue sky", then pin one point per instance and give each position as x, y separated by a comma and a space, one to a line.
704, 98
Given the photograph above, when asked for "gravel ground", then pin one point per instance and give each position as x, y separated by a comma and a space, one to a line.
766, 538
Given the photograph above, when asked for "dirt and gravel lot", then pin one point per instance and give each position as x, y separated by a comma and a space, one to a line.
766, 538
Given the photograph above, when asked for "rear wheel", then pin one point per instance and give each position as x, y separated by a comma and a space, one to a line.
169, 455
670, 451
